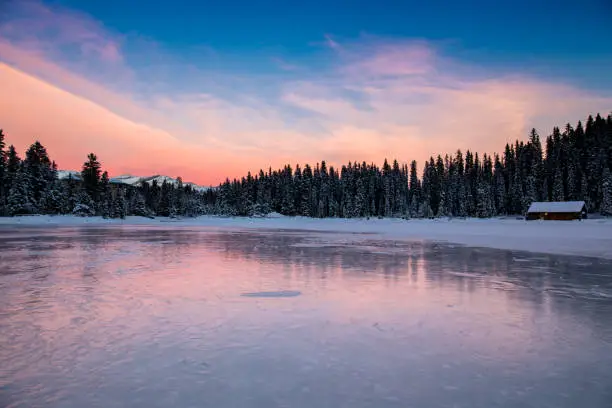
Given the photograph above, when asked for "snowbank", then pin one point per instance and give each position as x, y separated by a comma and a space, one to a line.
586, 238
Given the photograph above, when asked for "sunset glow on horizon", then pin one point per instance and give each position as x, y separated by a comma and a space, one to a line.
84, 81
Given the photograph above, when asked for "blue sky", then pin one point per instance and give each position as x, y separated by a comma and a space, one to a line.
243, 85
521, 34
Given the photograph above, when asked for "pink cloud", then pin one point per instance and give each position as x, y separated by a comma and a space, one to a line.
411, 106
392, 60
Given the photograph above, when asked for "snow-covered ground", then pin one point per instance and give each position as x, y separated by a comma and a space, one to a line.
586, 238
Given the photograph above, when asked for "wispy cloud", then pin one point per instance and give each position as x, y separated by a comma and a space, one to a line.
73, 84
331, 43
284, 65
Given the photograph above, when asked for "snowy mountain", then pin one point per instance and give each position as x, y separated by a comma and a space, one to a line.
133, 180
64, 174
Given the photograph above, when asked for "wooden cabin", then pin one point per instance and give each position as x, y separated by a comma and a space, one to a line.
557, 210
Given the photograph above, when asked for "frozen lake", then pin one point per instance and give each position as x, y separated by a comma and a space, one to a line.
142, 316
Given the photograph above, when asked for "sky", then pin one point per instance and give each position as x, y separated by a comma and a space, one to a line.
208, 90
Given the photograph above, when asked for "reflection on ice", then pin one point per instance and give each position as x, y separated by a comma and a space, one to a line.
277, 294
156, 317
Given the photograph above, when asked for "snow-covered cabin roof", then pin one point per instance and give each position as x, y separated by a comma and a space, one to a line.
556, 207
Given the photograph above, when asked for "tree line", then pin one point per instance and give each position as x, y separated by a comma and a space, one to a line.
31, 186
574, 164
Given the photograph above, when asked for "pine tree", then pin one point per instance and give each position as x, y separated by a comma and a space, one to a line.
12, 166
180, 196
516, 194
91, 176
484, 201
40, 171
425, 210
167, 206
361, 202
572, 193
558, 194
500, 189
20, 198
444, 206
545, 190
461, 199
83, 205
3, 177
139, 207
53, 200
119, 207
530, 192
584, 192
606, 188
104, 197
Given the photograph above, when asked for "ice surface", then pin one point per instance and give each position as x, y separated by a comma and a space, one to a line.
152, 316
276, 294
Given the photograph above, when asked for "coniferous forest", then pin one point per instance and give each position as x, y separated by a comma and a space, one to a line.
573, 163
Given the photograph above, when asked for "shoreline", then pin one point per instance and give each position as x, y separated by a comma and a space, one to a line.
591, 237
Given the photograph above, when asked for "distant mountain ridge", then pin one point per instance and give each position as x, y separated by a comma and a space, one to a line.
134, 180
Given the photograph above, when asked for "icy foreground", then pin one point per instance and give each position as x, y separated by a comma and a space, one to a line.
169, 316
584, 238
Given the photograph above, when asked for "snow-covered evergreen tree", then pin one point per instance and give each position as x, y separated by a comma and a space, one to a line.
414, 207
180, 196
572, 192
287, 203
40, 171
444, 206
484, 207
606, 189
516, 194
83, 206
500, 193
13, 163
584, 192
90, 175
3, 178
119, 204
558, 193
139, 207
166, 203
361, 203
531, 193
54, 199
462, 200
104, 203
20, 198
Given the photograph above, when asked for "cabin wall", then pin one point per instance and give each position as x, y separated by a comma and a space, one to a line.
554, 216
